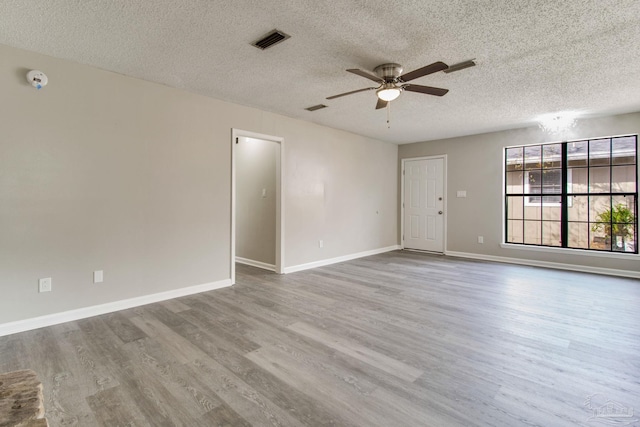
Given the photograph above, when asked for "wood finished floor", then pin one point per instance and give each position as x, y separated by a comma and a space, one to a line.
398, 339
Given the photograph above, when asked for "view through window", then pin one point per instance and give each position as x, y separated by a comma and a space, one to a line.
579, 194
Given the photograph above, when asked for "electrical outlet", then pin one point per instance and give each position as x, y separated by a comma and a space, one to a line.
320, 244
480, 239
98, 276
44, 285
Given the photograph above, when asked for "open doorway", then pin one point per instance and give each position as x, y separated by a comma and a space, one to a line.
256, 201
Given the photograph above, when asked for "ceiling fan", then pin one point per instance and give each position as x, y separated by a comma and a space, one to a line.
391, 82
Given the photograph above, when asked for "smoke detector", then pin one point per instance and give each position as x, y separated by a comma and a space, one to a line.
37, 79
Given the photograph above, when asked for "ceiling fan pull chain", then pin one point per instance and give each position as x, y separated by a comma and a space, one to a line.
388, 115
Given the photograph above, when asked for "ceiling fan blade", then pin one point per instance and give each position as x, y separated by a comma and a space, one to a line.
424, 71
381, 104
349, 93
426, 89
366, 75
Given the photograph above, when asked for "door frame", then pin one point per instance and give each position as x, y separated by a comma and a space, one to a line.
444, 190
237, 133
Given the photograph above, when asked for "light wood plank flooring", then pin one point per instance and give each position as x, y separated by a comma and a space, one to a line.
398, 339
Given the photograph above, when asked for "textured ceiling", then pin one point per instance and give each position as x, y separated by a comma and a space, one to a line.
534, 56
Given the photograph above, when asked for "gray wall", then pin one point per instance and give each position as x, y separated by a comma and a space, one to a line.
474, 164
255, 213
102, 171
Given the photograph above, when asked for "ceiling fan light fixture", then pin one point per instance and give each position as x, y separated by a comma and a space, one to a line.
388, 93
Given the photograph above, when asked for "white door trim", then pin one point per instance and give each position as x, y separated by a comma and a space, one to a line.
236, 133
444, 183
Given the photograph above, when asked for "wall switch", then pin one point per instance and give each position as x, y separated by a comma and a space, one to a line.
264, 193
98, 276
320, 244
44, 285
480, 239
461, 193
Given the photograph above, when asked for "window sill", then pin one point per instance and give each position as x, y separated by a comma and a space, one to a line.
566, 251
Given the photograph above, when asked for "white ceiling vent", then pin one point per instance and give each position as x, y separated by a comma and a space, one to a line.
270, 39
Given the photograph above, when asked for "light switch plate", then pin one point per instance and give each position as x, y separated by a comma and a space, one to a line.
461, 193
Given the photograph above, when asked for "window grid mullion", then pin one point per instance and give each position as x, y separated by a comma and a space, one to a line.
564, 210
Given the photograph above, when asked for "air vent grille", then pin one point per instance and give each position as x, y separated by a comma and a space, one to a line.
271, 39
316, 107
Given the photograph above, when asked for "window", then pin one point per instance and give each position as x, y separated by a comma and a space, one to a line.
535, 184
579, 194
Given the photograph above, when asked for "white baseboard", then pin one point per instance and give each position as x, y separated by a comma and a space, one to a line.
83, 313
254, 263
336, 260
547, 264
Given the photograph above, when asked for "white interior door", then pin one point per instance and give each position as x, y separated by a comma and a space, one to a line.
424, 204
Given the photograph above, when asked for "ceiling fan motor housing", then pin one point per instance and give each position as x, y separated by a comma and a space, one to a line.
388, 72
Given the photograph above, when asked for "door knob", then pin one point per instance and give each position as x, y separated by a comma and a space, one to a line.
439, 212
